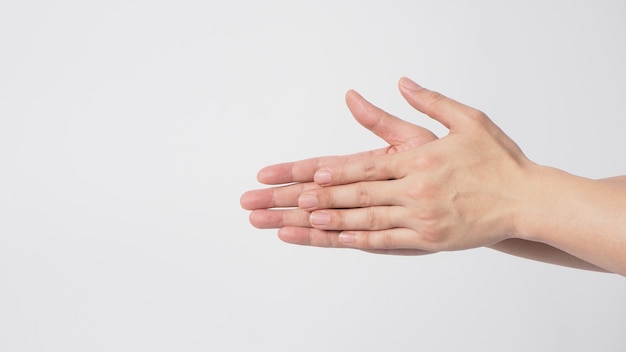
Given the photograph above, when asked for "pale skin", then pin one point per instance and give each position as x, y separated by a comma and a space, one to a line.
420, 195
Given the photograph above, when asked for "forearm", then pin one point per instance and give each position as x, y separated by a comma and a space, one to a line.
543, 253
619, 181
581, 217
546, 253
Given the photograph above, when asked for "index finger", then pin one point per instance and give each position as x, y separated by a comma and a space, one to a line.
303, 170
375, 168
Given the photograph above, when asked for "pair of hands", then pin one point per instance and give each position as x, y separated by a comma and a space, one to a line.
419, 195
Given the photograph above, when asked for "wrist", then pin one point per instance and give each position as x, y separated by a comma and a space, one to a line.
556, 205
540, 198
583, 217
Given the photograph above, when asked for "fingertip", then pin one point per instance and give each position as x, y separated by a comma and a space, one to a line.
265, 219
409, 84
354, 100
252, 219
351, 94
431, 103
288, 235
263, 175
282, 234
244, 200
274, 174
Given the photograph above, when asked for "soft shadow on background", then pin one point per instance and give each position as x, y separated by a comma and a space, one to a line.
129, 129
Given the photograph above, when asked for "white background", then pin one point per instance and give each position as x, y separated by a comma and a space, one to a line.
129, 129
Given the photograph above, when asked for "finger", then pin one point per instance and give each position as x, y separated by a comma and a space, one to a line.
375, 168
303, 170
329, 239
398, 238
402, 251
307, 236
274, 219
400, 135
284, 196
449, 112
370, 218
353, 195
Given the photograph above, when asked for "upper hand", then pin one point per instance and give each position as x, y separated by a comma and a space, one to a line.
277, 207
458, 192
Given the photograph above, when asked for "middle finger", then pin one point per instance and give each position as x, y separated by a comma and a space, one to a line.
353, 195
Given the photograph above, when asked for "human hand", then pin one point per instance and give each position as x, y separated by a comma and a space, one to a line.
277, 207
461, 191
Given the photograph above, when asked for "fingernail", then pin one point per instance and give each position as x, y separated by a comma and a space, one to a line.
409, 84
319, 218
347, 237
322, 177
307, 201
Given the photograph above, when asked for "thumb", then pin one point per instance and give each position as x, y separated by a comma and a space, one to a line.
448, 112
397, 132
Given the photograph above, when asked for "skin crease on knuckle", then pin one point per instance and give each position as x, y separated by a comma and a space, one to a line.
373, 220
370, 169
321, 238
363, 194
338, 219
388, 240
395, 238
327, 197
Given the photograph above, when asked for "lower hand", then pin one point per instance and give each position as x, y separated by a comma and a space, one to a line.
461, 191
277, 207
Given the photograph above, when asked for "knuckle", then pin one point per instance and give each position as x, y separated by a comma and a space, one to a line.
337, 219
299, 172
388, 169
311, 240
388, 240
435, 235
294, 218
421, 190
373, 221
320, 238
379, 240
369, 170
478, 117
363, 195
426, 161
326, 199
328, 239
430, 236
370, 241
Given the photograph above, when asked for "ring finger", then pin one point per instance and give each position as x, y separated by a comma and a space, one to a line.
364, 219
354, 195
273, 219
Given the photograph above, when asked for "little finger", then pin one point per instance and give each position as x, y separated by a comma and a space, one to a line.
397, 238
307, 236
